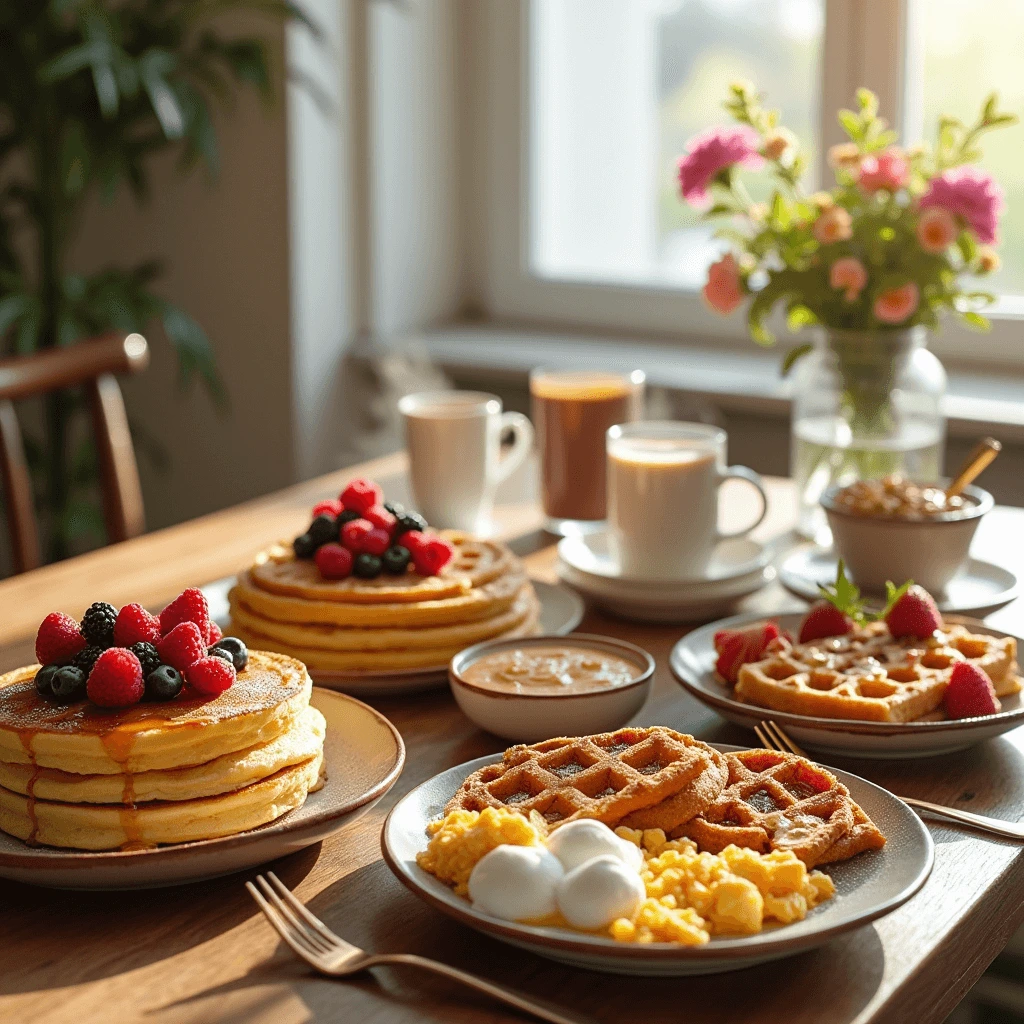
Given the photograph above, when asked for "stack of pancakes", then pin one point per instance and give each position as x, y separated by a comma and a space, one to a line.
388, 624
94, 778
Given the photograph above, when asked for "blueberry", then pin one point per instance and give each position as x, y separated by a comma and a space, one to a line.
323, 529
367, 567
396, 508
68, 684
396, 560
236, 651
410, 521
164, 683
219, 652
44, 680
346, 517
304, 546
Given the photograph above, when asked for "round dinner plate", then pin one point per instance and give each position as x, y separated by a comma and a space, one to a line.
363, 757
867, 886
693, 664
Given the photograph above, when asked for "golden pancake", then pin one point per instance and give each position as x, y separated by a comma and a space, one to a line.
342, 638
221, 775
110, 827
264, 702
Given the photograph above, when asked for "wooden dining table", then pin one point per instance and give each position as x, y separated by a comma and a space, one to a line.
204, 953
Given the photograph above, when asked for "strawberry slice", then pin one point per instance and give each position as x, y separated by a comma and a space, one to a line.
738, 647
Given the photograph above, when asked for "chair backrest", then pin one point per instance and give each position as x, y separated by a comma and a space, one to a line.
92, 365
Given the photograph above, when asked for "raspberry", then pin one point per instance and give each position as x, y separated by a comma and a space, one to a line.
431, 555
134, 625
361, 494
380, 516
410, 540
182, 647
211, 676
333, 561
189, 606
116, 679
352, 534
331, 507
215, 634
59, 639
376, 542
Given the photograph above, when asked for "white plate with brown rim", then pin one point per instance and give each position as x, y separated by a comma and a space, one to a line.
363, 757
693, 664
867, 887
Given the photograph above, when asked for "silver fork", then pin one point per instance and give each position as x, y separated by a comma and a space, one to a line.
774, 737
311, 940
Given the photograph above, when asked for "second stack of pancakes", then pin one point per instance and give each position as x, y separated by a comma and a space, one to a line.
387, 624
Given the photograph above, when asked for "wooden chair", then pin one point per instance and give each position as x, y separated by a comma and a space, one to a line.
91, 364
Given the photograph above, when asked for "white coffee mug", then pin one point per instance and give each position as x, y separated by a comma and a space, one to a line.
663, 480
455, 456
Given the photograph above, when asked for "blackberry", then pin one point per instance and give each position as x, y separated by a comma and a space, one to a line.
410, 521
68, 684
236, 649
396, 560
86, 658
323, 530
44, 680
98, 624
366, 566
396, 508
346, 517
148, 656
304, 546
164, 683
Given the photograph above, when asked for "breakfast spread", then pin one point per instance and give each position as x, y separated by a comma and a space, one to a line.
380, 594
894, 497
549, 671
137, 730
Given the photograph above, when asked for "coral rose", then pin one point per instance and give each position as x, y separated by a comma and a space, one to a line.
988, 260
845, 156
936, 230
896, 304
723, 292
711, 152
834, 225
886, 170
971, 195
849, 276
778, 144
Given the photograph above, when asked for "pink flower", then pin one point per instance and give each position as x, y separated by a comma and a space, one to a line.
712, 151
971, 195
936, 230
723, 292
849, 276
887, 170
834, 225
896, 304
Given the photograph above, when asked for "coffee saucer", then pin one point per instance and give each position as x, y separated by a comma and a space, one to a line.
979, 586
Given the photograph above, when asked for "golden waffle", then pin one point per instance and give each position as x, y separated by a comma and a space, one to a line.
872, 676
610, 777
865, 835
777, 801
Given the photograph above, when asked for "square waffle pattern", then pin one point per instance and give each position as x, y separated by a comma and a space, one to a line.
869, 675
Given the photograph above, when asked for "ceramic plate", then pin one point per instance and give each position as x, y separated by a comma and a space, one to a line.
561, 611
693, 664
868, 886
979, 586
363, 756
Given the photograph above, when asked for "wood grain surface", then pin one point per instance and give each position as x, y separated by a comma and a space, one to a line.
203, 953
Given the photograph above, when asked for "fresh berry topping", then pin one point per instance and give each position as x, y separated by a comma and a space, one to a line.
331, 507
396, 560
381, 517
44, 680
98, 624
431, 555
376, 542
219, 652
211, 676
366, 566
970, 692
182, 647
361, 495
738, 647
911, 611
334, 561
214, 634
396, 508
116, 679
59, 639
303, 546
348, 516
411, 540
410, 521
352, 534
148, 655
135, 624
164, 683
323, 530
86, 658
189, 606
68, 684
824, 619
238, 651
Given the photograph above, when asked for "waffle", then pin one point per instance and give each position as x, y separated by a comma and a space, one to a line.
611, 777
777, 801
871, 676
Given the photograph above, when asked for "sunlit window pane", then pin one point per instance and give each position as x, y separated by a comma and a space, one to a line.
617, 87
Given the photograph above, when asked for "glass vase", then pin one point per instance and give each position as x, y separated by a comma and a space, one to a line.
865, 404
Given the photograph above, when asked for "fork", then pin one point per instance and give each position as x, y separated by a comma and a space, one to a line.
312, 941
774, 737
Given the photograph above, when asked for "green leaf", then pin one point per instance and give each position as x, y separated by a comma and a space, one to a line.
799, 316
851, 125
84, 55
794, 355
11, 309
967, 246
195, 354
976, 321
154, 64
844, 594
893, 594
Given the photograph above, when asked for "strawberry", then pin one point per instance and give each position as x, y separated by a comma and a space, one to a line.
411, 540
431, 555
836, 615
970, 693
376, 542
352, 534
182, 647
911, 611
59, 639
210, 676
381, 517
134, 624
333, 561
116, 679
360, 495
189, 606
331, 507
738, 647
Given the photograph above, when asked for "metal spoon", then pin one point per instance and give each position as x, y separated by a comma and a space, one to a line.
978, 461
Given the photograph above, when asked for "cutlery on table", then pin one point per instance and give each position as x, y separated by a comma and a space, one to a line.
311, 940
774, 737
